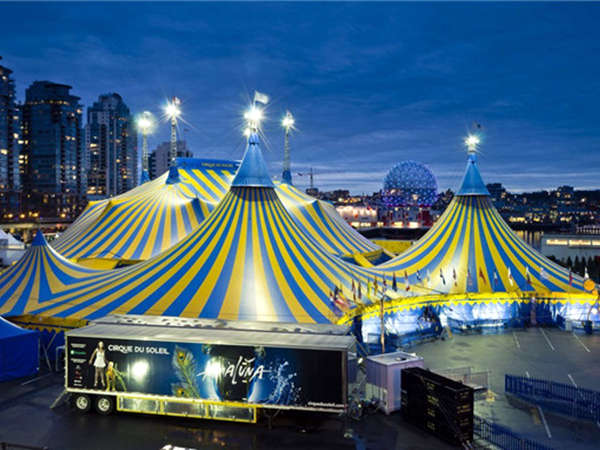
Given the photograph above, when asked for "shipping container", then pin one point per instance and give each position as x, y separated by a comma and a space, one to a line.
208, 368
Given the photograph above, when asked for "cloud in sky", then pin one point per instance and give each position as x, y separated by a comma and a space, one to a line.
369, 84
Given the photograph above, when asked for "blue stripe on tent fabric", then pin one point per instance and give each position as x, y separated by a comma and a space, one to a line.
471, 258
492, 247
301, 297
345, 245
187, 294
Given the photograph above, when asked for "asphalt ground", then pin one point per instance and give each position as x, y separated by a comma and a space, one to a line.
26, 417
547, 353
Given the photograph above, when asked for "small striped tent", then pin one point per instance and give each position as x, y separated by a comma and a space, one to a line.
471, 249
147, 220
323, 223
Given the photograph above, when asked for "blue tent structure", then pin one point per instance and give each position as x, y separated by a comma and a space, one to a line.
18, 351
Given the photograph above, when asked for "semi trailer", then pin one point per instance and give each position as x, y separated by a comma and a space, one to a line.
211, 369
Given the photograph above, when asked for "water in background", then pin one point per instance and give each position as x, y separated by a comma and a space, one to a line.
533, 238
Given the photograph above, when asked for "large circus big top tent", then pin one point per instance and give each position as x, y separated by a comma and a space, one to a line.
248, 260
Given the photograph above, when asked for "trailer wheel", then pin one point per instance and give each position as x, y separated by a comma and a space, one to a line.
82, 402
105, 405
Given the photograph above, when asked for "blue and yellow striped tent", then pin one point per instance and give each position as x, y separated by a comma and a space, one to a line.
471, 249
248, 260
148, 219
37, 277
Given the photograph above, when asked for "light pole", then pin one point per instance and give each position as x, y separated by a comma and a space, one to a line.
288, 124
173, 112
145, 125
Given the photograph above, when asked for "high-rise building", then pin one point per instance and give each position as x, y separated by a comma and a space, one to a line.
159, 160
111, 141
54, 160
10, 145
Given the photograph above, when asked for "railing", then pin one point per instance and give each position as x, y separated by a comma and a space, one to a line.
467, 376
580, 403
503, 437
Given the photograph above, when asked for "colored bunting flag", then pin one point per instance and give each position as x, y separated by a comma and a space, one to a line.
406, 283
482, 276
419, 276
442, 277
510, 277
454, 276
394, 282
469, 280
528, 278
570, 277
428, 279
495, 278
543, 274
587, 275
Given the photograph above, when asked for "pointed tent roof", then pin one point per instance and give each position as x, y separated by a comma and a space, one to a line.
146, 220
472, 183
248, 261
472, 249
37, 277
253, 171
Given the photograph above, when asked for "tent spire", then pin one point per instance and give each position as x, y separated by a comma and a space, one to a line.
253, 170
472, 183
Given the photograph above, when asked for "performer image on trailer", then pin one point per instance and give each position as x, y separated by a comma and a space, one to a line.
99, 362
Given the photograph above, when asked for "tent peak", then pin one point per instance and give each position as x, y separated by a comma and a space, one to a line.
39, 239
472, 183
253, 170
173, 176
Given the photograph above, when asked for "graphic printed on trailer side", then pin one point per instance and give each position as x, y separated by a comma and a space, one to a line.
265, 376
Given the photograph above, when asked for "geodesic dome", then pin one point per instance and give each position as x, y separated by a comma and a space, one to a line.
409, 183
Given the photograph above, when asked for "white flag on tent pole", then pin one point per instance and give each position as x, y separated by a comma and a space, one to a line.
261, 98
587, 275
543, 273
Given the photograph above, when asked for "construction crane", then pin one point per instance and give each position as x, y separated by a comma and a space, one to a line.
312, 175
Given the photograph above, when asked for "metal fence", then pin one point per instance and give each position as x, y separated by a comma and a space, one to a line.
467, 376
567, 399
503, 437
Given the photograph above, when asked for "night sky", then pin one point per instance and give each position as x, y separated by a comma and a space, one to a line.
370, 84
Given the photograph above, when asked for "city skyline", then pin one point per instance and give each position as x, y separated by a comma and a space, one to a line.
369, 85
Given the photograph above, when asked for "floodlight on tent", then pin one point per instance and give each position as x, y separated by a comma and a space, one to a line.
472, 142
288, 121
